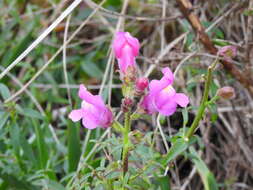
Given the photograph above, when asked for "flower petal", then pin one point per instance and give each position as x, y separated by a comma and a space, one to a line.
76, 115
89, 123
168, 75
155, 86
89, 98
166, 96
118, 43
181, 99
127, 59
133, 42
148, 104
168, 109
106, 118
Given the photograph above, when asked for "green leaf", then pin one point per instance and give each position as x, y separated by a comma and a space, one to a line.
163, 182
91, 69
12, 182
117, 126
248, 12
74, 148
55, 185
3, 118
28, 151
177, 148
4, 91
19, 48
41, 145
205, 174
30, 113
15, 139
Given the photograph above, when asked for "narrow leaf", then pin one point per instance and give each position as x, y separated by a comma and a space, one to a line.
205, 174
74, 148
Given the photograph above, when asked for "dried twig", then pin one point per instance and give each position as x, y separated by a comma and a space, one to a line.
186, 8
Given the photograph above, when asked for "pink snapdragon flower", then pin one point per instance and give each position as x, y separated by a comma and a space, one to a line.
228, 52
126, 48
162, 97
93, 111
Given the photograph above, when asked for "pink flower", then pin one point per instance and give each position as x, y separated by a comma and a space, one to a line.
162, 96
228, 52
126, 48
93, 111
141, 84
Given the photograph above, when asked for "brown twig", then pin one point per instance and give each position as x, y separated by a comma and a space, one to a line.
186, 9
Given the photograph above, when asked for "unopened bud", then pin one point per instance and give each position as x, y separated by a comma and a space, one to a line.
228, 52
141, 84
126, 104
226, 92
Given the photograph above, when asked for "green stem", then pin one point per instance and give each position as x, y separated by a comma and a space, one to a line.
126, 142
213, 100
203, 104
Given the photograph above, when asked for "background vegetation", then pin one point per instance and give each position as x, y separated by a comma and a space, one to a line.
40, 148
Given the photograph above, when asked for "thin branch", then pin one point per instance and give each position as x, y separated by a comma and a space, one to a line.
64, 60
186, 9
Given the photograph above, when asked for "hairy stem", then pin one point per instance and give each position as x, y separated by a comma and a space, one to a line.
126, 142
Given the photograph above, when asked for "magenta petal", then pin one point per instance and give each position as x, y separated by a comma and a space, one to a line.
134, 43
165, 97
181, 99
127, 59
168, 75
76, 115
155, 86
88, 97
168, 109
89, 123
148, 104
82, 93
118, 43
107, 118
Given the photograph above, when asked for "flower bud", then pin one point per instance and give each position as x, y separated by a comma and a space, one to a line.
126, 48
141, 84
228, 52
226, 92
126, 104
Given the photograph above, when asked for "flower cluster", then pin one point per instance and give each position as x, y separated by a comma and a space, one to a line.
161, 96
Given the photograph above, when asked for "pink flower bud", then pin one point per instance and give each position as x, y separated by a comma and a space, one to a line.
126, 104
162, 97
226, 92
93, 111
141, 84
228, 52
126, 48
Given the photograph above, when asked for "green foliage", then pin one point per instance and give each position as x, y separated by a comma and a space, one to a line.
206, 176
74, 149
43, 149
